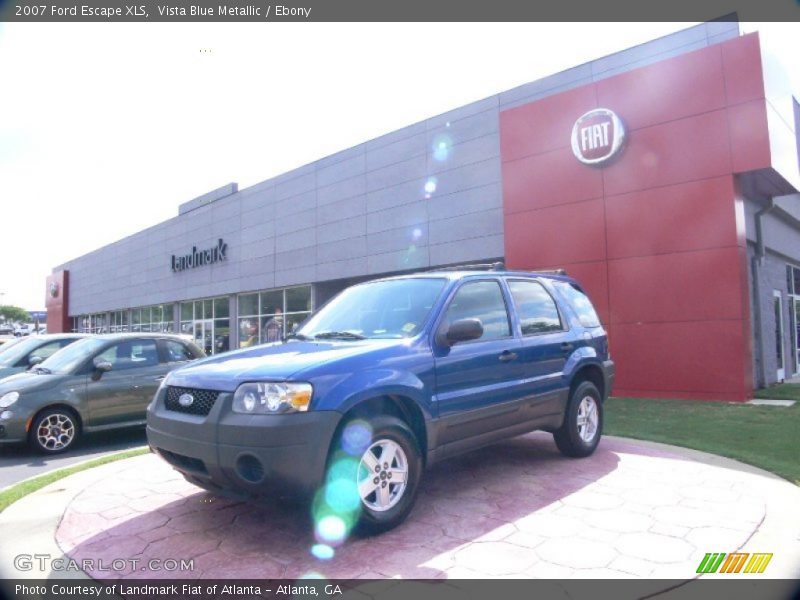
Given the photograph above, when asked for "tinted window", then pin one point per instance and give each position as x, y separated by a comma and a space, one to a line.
131, 354
177, 352
481, 300
580, 303
535, 307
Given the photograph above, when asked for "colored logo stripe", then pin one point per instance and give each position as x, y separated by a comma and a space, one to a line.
713, 562
758, 563
710, 562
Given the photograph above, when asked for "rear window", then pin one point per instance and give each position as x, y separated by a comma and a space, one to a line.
580, 303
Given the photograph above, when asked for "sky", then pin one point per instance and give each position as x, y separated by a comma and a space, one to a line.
106, 128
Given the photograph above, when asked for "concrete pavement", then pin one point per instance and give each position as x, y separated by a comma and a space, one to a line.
516, 509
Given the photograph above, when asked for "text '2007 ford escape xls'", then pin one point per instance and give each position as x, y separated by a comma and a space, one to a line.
386, 378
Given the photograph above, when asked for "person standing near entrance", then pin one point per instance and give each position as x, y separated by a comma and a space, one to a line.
273, 327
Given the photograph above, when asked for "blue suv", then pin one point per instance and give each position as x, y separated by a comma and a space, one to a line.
388, 377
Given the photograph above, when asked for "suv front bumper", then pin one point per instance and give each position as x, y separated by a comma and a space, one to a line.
236, 454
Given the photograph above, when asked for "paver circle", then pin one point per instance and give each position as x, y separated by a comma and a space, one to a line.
520, 510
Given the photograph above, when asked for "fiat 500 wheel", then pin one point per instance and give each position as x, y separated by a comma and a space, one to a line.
583, 422
53, 431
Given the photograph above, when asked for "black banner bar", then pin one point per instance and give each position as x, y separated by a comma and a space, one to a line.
142, 11
731, 588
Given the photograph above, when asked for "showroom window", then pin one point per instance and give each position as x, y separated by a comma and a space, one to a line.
208, 322
156, 318
119, 321
269, 315
91, 323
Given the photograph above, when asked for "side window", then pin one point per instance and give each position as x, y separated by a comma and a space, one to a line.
131, 354
47, 350
481, 300
177, 352
536, 308
580, 303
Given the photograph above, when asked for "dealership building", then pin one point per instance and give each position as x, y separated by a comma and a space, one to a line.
664, 177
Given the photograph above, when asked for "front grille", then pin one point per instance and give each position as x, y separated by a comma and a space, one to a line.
201, 405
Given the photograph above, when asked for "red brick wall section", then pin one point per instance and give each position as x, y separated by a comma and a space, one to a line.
656, 236
58, 305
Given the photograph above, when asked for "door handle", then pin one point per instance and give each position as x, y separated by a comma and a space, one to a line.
567, 347
506, 356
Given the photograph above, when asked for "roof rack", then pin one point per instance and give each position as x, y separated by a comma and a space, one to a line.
495, 266
551, 271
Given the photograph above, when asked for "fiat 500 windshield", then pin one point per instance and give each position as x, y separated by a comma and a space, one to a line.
381, 309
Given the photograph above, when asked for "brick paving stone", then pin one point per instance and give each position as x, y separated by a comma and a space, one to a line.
632, 565
656, 548
495, 558
521, 510
576, 553
619, 521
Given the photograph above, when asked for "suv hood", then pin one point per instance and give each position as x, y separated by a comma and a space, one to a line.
276, 362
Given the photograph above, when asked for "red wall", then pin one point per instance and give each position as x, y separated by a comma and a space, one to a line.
656, 236
58, 305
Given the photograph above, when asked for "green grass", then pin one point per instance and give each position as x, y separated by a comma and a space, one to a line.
785, 391
764, 436
24, 488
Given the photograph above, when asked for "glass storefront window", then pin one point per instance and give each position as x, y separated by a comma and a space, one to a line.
208, 322
269, 315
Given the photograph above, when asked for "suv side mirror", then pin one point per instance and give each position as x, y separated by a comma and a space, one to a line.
34, 360
462, 330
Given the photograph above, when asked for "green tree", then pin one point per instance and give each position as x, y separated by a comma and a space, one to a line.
14, 313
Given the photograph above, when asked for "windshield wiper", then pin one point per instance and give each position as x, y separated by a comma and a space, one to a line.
41, 370
298, 336
345, 335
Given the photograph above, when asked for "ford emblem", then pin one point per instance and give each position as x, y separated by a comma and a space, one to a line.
186, 400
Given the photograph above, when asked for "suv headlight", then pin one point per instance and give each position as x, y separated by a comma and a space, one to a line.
8, 399
272, 398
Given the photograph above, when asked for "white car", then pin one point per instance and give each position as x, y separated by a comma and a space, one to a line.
24, 329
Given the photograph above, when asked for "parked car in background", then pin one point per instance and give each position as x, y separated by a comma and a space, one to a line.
32, 350
23, 329
100, 382
389, 376
6, 329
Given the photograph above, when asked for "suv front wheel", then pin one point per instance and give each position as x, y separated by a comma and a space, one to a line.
580, 433
387, 474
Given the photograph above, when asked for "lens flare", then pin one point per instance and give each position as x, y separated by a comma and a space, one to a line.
442, 145
430, 187
416, 234
342, 495
356, 437
322, 552
331, 529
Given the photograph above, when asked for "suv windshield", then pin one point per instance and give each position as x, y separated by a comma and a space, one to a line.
68, 359
396, 308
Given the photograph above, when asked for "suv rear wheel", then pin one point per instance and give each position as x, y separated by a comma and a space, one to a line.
580, 433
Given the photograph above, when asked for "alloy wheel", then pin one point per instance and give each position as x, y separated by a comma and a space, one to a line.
382, 475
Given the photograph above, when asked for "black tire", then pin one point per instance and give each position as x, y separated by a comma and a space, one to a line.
386, 430
568, 437
64, 418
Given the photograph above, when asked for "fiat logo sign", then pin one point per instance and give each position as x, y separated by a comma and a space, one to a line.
597, 136
186, 400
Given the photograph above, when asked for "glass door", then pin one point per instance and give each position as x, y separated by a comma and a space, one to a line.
795, 332
778, 305
203, 332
